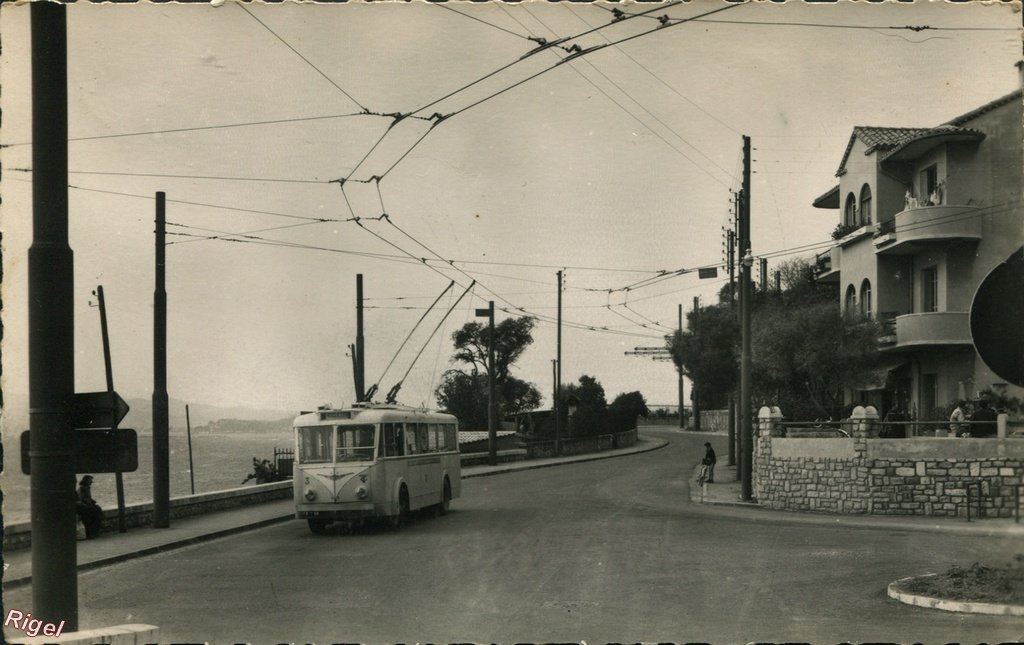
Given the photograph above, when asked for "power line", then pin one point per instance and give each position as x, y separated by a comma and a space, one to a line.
466, 15
306, 60
570, 9
170, 176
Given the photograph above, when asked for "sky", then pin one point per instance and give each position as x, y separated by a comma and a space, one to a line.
615, 167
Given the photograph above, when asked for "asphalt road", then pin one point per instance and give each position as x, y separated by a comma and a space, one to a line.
604, 551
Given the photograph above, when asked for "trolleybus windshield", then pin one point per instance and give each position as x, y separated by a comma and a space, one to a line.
355, 443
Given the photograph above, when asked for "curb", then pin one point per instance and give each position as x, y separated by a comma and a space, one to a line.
960, 606
159, 548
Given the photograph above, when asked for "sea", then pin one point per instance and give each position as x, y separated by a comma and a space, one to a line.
220, 461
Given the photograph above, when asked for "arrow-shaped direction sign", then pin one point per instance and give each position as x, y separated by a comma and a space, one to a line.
97, 410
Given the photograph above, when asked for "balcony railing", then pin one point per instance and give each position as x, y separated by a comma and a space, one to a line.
914, 229
931, 330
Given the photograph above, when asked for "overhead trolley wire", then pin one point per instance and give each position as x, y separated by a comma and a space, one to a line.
373, 388
489, 24
306, 60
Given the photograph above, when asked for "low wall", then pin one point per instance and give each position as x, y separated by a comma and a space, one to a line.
859, 474
580, 446
714, 420
19, 535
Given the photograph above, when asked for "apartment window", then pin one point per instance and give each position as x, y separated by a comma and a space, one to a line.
929, 289
865, 298
850, 212
865, 204
851, 299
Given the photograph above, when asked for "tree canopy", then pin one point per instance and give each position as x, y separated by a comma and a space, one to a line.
464, 394
631, 402
708, 352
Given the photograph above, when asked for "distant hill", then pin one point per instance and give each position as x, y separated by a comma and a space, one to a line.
279, 426
140, 416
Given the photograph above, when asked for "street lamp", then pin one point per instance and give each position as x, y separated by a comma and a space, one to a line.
492, 405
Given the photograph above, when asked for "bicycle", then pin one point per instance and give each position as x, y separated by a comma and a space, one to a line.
702, 478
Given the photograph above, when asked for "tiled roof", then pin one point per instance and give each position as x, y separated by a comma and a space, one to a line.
988, 107
878, 138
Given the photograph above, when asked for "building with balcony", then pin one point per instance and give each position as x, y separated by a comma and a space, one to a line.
924, 215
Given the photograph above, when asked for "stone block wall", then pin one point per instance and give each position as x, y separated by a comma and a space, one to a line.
865, 474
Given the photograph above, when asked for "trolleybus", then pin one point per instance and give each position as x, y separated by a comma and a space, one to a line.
373, 461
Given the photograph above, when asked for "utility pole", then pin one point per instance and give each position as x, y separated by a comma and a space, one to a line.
778, 281
118, 477
161, 429
51, 328
682, 399
693, 388
732, 308
764, 275
492, 403
558, 373
745, 426
358, 358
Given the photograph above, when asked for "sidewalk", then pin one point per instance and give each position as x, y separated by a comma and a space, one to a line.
727, 492
111, 548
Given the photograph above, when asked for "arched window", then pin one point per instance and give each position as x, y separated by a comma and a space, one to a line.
865, 204
865, 298
850, 212
851, 299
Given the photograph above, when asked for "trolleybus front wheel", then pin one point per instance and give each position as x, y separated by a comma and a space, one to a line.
446, 498
404, 513
318, 527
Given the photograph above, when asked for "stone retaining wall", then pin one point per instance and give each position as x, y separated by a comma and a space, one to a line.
864, 474
19, 535
580, 446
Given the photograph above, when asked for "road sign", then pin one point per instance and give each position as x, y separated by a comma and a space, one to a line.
97, 410
95, 451
707, 273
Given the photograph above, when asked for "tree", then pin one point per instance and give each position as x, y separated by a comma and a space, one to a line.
589, 394
631, 402
512, 337
464, 394
708, 352
806, 354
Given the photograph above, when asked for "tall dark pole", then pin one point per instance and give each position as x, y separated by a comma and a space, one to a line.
118, 477
693, 388
161, 428
558, 373
732, 308
51, 328
682, 400
745, 425
360, 363
764, 275
492, 401
191, 466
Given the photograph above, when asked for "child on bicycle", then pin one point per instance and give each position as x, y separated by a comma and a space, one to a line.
709, 461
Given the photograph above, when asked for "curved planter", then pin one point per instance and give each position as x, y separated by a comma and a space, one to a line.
962, 606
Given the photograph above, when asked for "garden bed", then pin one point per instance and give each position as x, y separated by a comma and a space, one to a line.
976, 588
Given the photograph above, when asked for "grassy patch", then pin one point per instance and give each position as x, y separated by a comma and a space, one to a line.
976, 583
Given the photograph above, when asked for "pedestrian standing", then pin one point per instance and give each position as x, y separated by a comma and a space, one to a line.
88, 510
709, 460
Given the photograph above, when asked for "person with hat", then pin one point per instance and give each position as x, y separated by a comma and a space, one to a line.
709, 460
88, 510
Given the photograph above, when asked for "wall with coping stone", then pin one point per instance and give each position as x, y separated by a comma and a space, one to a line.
865, 474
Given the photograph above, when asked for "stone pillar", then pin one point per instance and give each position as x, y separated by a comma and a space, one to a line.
1001, 419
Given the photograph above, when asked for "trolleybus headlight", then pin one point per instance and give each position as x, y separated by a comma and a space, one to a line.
310, 495
361, 492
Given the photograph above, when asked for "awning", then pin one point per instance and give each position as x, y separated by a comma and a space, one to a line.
879, 377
